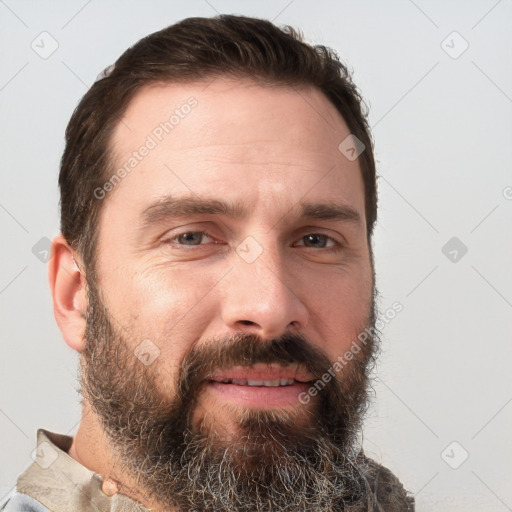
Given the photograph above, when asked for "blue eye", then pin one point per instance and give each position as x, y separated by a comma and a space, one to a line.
311, 240
190, 238
314, 239
319, 241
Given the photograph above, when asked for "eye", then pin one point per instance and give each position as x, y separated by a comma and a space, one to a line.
319, 241
190, 238
311, 240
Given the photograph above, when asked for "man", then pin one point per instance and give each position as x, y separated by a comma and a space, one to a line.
215, 273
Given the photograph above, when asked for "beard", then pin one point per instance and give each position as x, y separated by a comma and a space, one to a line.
296, 459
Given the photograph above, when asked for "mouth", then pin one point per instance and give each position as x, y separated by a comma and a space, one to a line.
260, 386
264, 383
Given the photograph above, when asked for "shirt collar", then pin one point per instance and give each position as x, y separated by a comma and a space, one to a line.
61, 483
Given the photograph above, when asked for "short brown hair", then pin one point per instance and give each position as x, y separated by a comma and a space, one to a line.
192, 50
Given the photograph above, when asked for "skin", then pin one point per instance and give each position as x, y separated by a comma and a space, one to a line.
268, 147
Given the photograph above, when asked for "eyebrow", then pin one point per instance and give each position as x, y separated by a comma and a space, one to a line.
174, 207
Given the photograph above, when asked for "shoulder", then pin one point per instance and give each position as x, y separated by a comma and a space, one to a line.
385, 488
17, 502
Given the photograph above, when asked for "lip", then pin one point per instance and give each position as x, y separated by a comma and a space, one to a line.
262, 372
260, 396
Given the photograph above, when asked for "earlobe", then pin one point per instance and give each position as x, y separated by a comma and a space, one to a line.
69, 293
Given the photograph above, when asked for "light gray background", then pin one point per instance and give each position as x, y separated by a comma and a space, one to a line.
443, 130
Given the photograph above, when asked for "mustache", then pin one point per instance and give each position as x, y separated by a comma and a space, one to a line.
335, 408
247, 350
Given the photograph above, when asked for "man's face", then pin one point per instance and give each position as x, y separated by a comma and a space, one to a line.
279, 268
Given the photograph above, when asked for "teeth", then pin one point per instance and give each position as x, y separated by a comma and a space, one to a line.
266, 383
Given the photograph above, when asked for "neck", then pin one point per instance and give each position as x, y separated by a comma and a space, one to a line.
92, 449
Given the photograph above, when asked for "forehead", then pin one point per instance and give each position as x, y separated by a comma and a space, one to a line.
235, 139
227, 102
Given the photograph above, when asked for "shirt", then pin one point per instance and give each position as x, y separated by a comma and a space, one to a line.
58, 483
55, 482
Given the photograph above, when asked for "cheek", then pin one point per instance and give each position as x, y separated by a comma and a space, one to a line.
169, 307
341, 310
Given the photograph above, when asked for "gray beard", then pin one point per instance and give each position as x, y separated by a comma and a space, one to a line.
275, 464
262, 474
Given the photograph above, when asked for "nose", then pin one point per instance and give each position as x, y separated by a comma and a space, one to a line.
261, 297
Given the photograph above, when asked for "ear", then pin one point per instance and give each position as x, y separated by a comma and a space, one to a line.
69, 293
